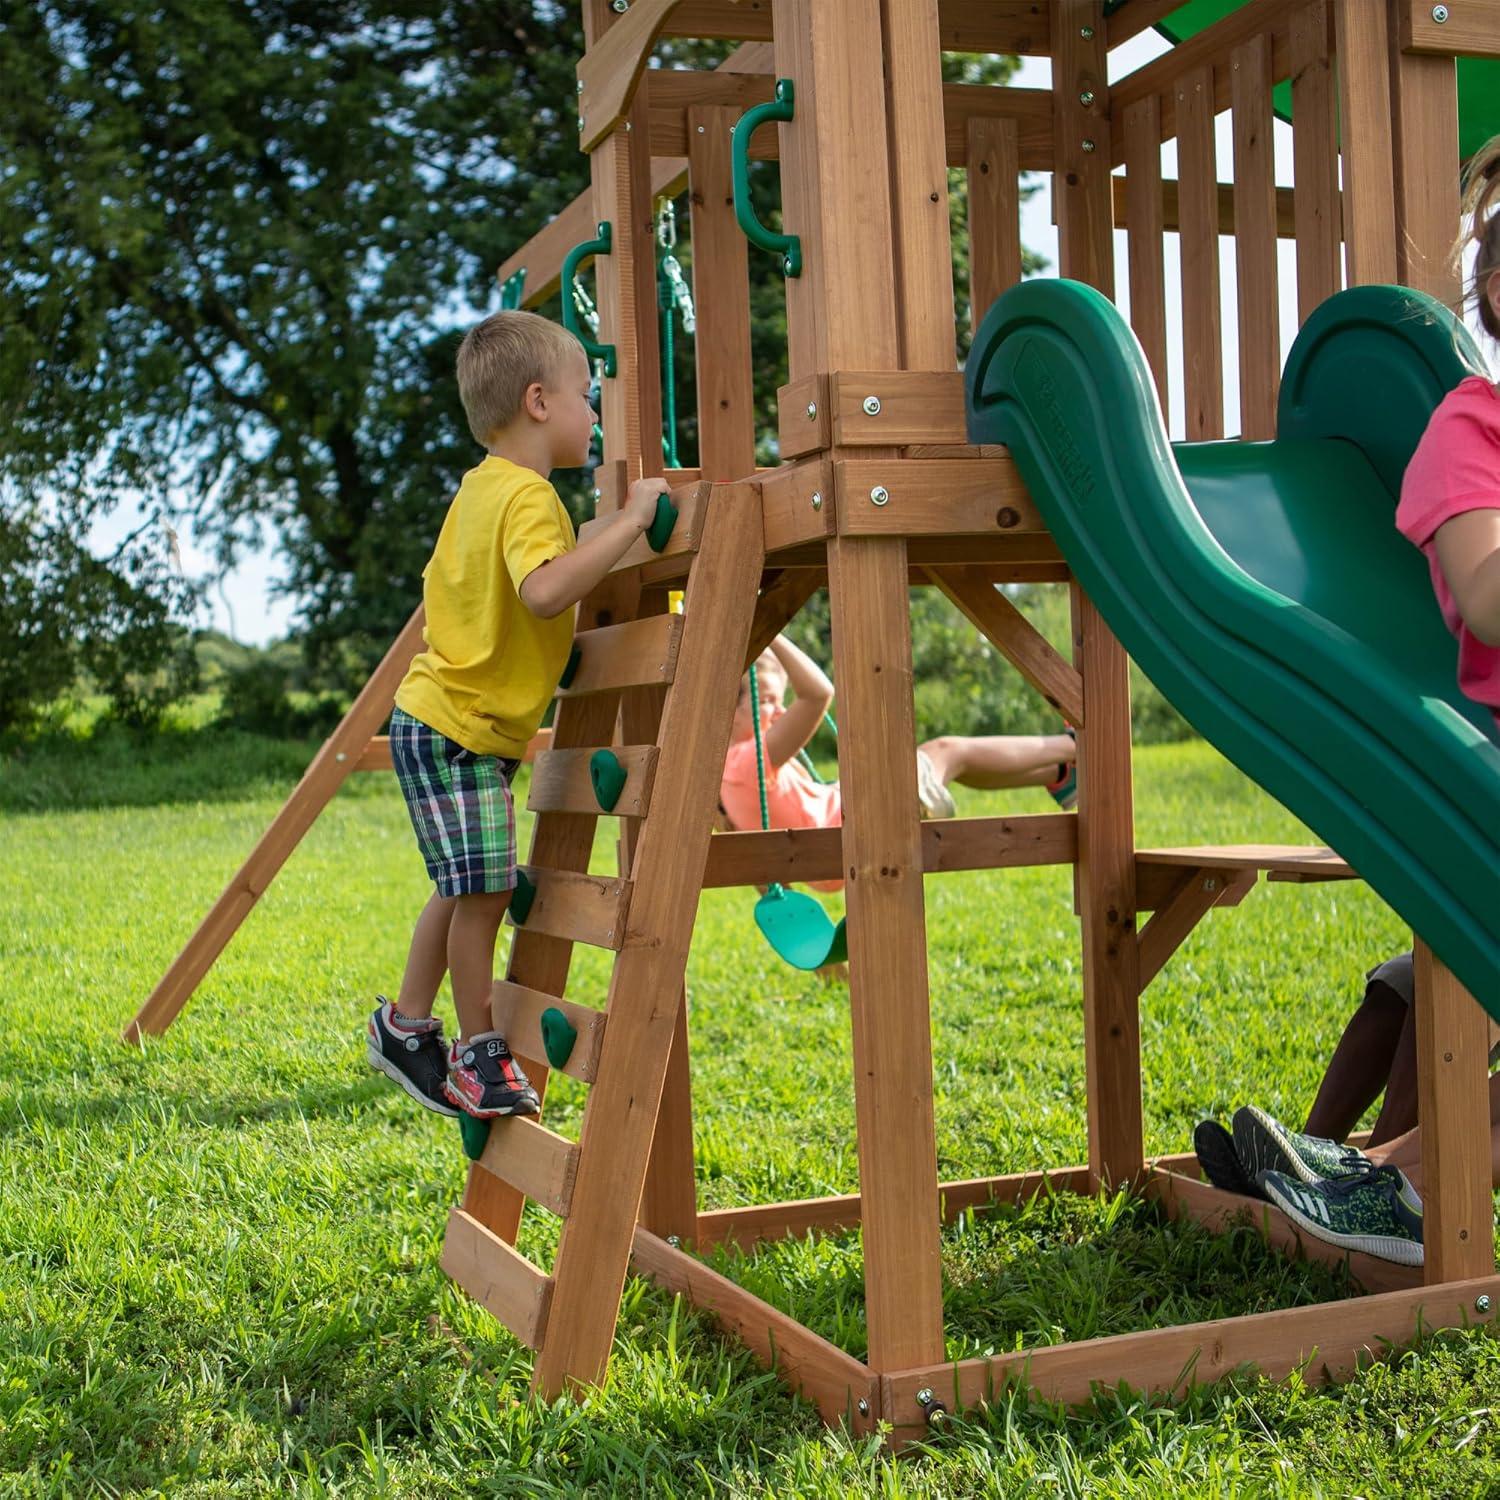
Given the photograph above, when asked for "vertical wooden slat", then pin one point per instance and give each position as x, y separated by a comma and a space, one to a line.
1315, 189
994, 177
1106, 891
645, 989
919, 185
1143, 216
1424, 107
1198, 209
1256, 280
1453, 1108
1081, 143
721, 295
1365, 137
630, 404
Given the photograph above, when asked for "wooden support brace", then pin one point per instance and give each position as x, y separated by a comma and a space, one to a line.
1196, 895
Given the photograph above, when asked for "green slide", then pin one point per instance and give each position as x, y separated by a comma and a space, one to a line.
1263, 586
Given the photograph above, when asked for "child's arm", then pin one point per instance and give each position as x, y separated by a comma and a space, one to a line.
1468, 550
814, 693
561, 582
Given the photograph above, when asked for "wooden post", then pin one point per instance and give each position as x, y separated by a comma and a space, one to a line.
1106, 893
1363, 50
1143, 230
1198, 219
1315, 159
1081, 143
645, 990
337, 758
994, 170
721, 296
1453, 1109
1256, 276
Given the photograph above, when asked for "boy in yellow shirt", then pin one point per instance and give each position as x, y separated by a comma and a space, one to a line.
499, 593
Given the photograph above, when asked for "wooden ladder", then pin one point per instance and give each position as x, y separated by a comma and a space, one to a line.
673, 755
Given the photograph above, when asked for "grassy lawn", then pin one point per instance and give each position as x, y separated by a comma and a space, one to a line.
218, 1257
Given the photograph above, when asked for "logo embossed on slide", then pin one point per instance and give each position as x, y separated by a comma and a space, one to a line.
1052, 428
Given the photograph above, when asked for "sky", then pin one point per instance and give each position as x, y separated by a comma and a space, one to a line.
247, 605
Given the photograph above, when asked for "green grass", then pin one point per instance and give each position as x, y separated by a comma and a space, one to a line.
218, 1257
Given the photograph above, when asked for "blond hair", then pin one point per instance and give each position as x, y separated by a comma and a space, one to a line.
1481, 227
499, 358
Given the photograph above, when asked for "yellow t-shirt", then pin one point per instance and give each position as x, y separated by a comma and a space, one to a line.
491, 666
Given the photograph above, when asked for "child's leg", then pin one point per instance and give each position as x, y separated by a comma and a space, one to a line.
987, 762
471, 957
1362, 1065
426, 960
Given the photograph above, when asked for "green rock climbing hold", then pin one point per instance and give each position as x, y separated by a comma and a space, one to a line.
575, 656
660, 530
558, 1036
521, 898
474, 1134
608, 777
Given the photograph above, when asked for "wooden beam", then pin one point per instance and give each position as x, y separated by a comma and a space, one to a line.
1470, 28
1014, 637
691, 500
879, 408
1081, 143
500, 1279
1315, 164
942, 497
636, 653
1196, 895
1257, 214
612, 66
1170, 193
533, 1159
798, 505
562, 781
1143, 200
579, 908
516, 1012
1202, 334
1369, 217
994, 172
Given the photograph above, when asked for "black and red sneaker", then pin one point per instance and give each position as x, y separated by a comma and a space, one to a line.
484, 1080
412, 1055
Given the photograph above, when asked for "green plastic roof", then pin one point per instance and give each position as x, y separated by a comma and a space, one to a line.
1478, 78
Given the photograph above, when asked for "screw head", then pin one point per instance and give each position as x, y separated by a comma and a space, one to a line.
864, 1407
341, 757
1211, 883
598, 493
580, 85
872, 406
1086, 32
786, 266
880, 495
1089, 146
1440, 13
924, 1396
1086, 98
701, 129
580, 122
817, 500
1482, 1303
619, 6
673, 1241
812, 411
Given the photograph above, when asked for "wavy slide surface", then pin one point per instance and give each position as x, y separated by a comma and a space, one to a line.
1263, 586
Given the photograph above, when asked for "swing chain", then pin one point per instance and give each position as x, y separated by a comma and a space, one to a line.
671, 268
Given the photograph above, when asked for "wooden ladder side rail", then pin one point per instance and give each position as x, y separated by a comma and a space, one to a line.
324, 776
620, 1116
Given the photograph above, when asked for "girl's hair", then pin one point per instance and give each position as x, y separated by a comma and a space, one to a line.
1481, 227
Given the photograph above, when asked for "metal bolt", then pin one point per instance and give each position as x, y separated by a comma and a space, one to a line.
609, 936
880, 495
1086, 98
580, 122
627, 124
620, 6
786, 266
864, 1406
872, 406
701, 129
598, 493
674, 1242
817, 500
1212, 883
937, 1414
580, 85
812, 411
1440, 13
924, 1396
1088, 146
341, 757
1482, 1303
1086, 32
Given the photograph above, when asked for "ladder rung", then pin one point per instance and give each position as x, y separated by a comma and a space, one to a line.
580, 908
517, 1013
639, 653
533, 1159
560, 781
500, 1279
691, 501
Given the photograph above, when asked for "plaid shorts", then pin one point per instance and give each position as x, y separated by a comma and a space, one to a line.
460, 806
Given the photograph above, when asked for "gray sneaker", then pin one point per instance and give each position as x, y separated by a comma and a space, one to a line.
1266, 1145
1375, 1210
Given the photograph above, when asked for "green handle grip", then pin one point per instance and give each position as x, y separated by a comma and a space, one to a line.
787, 246
660, 530
574, 258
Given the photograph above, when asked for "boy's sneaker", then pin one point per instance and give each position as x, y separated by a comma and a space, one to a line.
484, 1080
411, 1053
1266, 1145
1375, 1210
1065, 789
1220, 1161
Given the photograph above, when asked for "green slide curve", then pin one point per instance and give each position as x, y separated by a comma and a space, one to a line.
1263, 586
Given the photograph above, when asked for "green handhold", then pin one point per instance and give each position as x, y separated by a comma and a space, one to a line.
558, 1036
569, 672
660, 530
521, 898
608, 777
474, 1134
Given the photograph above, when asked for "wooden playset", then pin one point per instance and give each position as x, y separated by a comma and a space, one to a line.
880, 487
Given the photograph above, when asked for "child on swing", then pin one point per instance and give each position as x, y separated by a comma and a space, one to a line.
795, 798
1450, 508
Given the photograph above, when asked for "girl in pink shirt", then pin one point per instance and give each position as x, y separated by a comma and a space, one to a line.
1450, 497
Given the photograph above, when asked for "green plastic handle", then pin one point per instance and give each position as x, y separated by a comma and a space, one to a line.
608, 778
574, 258
558, 1036
787, 246
660, 530
521, 898
513, 290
